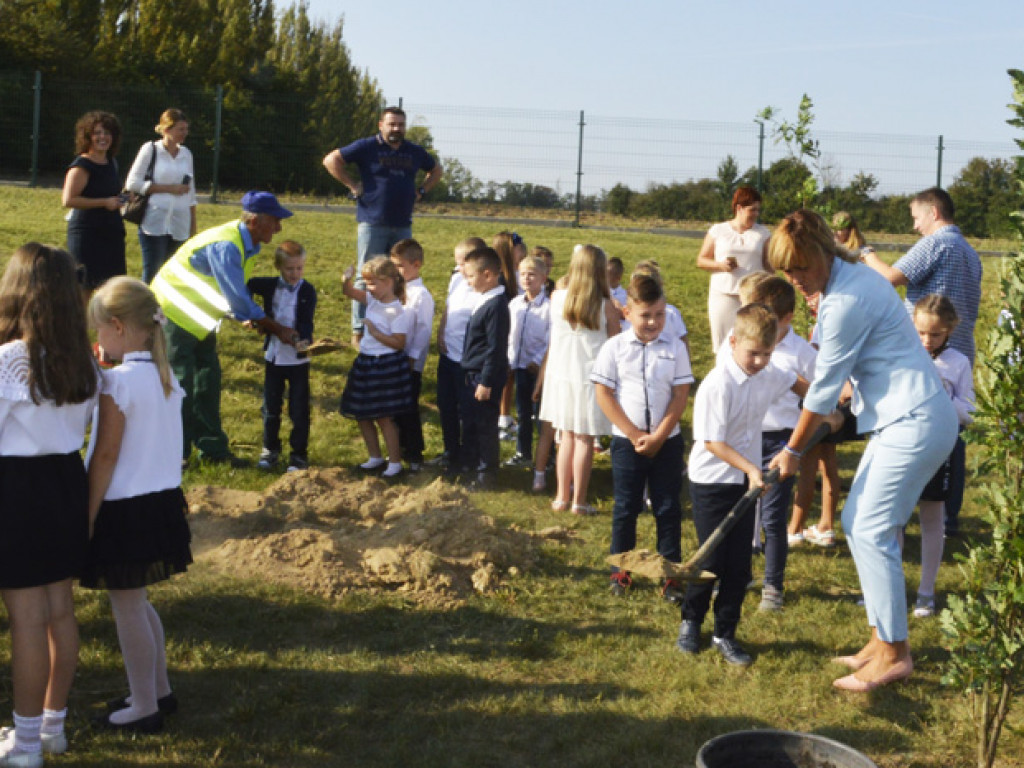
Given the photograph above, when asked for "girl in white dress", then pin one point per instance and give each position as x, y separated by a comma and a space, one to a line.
583, 317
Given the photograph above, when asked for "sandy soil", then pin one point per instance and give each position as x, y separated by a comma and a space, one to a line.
329, 532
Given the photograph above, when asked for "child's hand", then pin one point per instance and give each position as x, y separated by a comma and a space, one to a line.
369, 328
482, 393
756, 481
302, 345
647, 445
349, 273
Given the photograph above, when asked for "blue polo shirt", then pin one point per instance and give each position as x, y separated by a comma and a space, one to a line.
389, 179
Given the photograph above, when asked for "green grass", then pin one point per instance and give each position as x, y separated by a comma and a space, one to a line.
550, 670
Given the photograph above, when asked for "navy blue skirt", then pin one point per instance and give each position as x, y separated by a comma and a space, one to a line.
378, 387
138, 541
44, 519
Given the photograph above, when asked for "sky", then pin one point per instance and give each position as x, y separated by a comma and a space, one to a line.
875, 67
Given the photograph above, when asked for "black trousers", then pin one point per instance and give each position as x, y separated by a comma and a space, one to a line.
481, 445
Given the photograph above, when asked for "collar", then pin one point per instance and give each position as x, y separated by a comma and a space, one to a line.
634, 339
381, 141
936, 352
736, 373
496, 291
142, 356
249, 247
537, 300
281, 283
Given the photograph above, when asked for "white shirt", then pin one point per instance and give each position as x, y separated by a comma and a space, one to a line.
483, 298
285, 302
388, 319
530, 330
458, 308
729, 408
420, 304
150, 457
28, 429
642, 376
955, 371
746, 247
166, 214
619, 294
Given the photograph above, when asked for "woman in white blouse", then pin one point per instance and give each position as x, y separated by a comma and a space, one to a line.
731, 250
170, 217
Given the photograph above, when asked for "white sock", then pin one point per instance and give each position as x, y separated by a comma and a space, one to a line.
53, 721
373, 462
539, 474
393, 469
138, 648
504, 422
26, 734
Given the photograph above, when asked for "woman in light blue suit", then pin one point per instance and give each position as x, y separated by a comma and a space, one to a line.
868, 338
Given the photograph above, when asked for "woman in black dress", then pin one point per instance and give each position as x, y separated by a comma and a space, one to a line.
92, 190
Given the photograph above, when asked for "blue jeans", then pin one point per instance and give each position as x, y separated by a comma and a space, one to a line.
663, 476
373, 240
775, 511
156, 250
296, 377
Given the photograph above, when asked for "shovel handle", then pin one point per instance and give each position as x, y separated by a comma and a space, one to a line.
744, 505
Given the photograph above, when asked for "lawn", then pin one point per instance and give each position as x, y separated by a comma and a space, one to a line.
549, 669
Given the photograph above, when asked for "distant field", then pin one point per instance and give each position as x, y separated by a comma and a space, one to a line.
548, 670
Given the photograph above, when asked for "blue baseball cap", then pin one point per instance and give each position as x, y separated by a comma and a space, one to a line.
264, 202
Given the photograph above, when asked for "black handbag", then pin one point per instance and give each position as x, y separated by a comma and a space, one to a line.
134, 208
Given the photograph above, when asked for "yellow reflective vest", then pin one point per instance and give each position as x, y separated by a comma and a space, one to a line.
191, 300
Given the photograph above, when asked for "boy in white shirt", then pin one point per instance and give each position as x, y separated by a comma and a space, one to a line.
642, 381
451, 333
792, 353
407, 255
728, 412
527, 342
615, 271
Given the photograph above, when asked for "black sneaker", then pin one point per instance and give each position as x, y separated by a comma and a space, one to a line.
732, 651
297, 463
689, 637
268, 460
619, 583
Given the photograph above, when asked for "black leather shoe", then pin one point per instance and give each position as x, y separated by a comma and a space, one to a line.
149, 724
689, 637
731, 651
167, 705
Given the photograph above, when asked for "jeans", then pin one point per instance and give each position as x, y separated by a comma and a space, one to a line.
373, 240
197, 367
730, 562
775, 511
663, 476
156, 250
526, 410
296, 377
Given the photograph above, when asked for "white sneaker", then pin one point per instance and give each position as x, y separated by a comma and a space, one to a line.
924, 606
53, 744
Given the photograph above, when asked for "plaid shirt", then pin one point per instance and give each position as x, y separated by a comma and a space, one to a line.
944, 263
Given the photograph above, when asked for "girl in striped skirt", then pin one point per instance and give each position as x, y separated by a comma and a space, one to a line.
379, 385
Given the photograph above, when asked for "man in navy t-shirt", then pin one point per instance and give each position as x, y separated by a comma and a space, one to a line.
386, 191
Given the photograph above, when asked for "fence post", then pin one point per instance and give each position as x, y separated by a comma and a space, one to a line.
216, 142
760, 153
938, 172
37, 99
579, 172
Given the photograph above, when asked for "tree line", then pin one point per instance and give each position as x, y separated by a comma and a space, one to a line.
290, 88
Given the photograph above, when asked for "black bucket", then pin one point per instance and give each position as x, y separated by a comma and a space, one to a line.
778, 749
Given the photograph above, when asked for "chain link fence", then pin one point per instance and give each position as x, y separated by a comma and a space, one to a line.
242, 145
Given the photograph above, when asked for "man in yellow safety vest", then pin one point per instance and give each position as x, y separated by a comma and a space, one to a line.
200, 285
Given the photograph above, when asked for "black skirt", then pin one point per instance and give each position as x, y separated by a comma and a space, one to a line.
138, 541
378, 387
44, 519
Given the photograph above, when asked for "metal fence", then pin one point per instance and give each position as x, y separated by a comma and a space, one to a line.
245, 145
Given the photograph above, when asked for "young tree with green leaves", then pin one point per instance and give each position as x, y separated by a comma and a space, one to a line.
984, 627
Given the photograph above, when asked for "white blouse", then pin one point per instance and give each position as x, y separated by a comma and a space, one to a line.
746, 247
166, 214
151, 447
35, 429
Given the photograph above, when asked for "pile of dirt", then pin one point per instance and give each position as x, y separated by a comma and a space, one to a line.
328, 532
